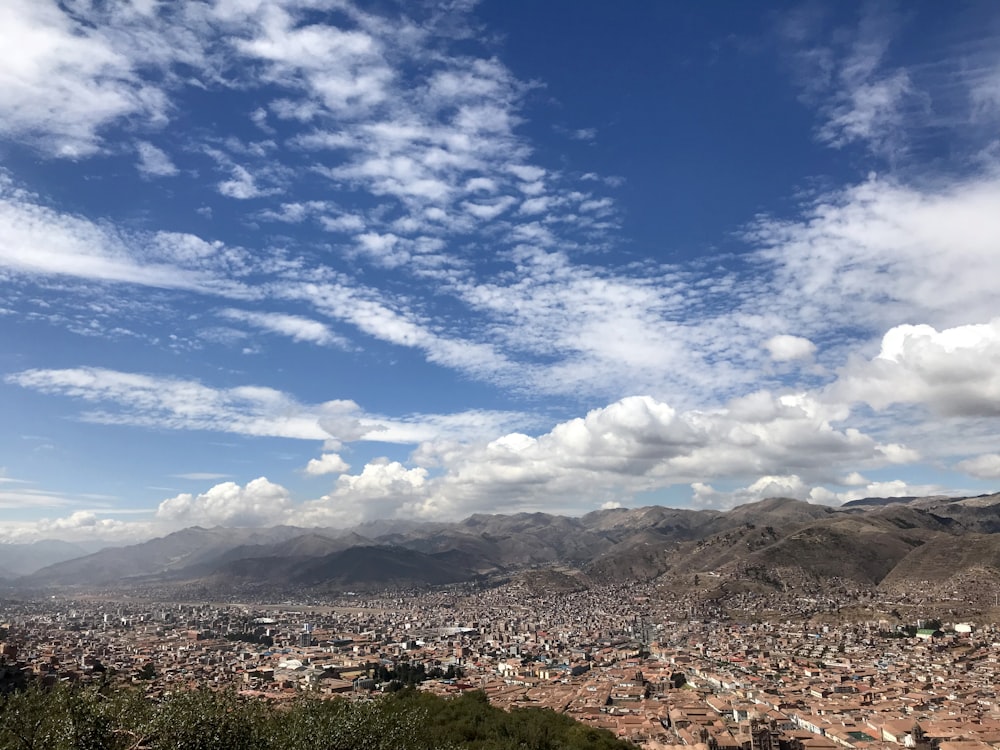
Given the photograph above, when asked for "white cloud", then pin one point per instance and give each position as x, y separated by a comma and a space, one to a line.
172, 403
869, 110
258, 503
880, 253
854, 479
294, 326
954, 372
706, 496
328, 463
38, 240
242, 185
458, 427
639, 444
842, 73
154, 162
891, 488
344, 69
81, 525
488, 211
985, 466
19, 496
379, 480
417, 143
62, 80
382, 489
786, 348
428, 141
374, 317
633, 445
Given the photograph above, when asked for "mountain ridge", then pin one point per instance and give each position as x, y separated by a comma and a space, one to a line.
778, 541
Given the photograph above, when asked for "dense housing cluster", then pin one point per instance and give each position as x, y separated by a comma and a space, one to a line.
624, 658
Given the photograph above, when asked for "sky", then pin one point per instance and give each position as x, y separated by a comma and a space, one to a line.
317, 262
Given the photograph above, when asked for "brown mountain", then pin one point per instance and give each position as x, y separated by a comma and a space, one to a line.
778, 542
944, 557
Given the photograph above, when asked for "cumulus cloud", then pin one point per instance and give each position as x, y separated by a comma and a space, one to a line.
383, 489
785, 348
985, 466
890, 488
328, 463
706, 496
632, 445
380, 480
81, 525
853, 479
258, 503
639, 444
953, 372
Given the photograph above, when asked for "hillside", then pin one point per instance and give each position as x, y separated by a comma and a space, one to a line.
23, 559
942, 558
221, 720
778, 542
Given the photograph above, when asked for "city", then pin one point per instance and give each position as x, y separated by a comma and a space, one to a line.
647, 665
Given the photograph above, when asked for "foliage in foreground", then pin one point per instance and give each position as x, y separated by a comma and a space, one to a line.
68, 718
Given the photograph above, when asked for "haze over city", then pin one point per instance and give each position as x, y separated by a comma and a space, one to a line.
315, 263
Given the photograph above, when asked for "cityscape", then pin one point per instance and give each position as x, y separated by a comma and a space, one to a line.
652, 667
494, 374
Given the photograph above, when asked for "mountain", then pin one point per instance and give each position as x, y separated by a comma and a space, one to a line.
23, 559
942, 559
775, 544
181, 549
777, 541
355, 567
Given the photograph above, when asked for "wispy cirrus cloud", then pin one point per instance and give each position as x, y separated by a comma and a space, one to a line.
178, 404
37, 240
883, 252
866, 90
295, 327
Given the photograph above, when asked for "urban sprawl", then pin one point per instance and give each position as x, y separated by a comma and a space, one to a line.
646, 666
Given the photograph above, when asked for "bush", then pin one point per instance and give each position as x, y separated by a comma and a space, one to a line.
122, 718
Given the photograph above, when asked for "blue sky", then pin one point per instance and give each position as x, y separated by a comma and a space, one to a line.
311, 262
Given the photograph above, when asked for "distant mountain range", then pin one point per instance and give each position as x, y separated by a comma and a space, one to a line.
775, 543
22, 559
